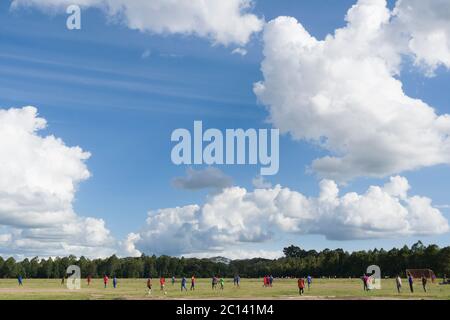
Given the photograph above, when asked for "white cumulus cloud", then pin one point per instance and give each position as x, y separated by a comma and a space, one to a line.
223, 22
235, 218
39, 176
424, 30
343, 94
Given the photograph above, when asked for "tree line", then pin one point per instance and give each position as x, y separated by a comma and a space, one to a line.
296, 262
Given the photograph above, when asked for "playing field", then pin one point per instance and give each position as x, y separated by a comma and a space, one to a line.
250, 289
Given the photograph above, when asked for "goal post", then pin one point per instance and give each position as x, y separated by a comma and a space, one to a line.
419, 273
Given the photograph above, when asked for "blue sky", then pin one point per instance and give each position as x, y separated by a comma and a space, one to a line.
119, 93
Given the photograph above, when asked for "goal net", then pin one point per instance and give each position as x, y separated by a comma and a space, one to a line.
419, 273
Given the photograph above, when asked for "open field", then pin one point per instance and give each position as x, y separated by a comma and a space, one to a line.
250, 289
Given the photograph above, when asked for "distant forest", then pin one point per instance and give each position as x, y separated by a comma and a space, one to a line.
296, 262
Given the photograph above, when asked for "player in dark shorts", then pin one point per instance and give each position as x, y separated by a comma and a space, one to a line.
301, 286
411, 282
424, 283
214, 283
183, 284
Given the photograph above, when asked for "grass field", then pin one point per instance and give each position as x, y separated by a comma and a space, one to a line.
39, 289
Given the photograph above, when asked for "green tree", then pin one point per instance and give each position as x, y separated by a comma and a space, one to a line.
9, 268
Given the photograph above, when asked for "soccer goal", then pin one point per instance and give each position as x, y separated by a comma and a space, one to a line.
419, 273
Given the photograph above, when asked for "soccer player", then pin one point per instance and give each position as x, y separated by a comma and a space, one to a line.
162, 282
222, 283
424, 283
193, 283
89, 278
237, 280
365, 280
301, 286
115, 282
398, 282
19, 280
411, 282
149, 286
183, 284
105, 280
270, 280
214, 283
173, 280
309, 281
